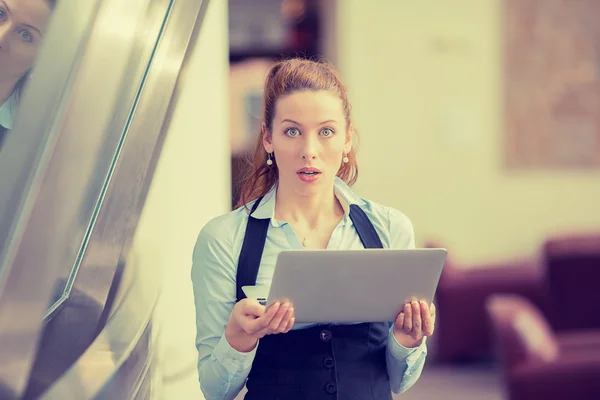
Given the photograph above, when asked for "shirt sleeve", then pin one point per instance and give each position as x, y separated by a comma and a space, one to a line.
222, 370
404, 365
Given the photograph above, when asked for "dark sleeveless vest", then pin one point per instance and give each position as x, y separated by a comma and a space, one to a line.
346, 362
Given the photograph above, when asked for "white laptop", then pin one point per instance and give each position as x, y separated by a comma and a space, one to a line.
367, 285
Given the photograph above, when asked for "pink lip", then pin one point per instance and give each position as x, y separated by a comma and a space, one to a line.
302, 174
308, 170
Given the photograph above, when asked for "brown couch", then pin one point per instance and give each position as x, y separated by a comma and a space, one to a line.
462, 333
572, 268
536, 362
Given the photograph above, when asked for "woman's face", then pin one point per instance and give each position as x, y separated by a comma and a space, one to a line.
309, 139
22, 25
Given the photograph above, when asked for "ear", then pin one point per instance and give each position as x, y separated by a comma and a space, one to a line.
266, 138
348, 142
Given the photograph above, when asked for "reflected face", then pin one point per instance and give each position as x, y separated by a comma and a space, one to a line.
22, 25
309, 139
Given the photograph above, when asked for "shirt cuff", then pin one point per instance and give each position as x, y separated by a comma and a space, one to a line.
400, 352
231, 359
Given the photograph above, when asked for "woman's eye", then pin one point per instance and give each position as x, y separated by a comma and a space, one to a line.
327, 132
292, 132
26, 36
2, 14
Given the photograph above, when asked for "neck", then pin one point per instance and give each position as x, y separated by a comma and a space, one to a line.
293, 207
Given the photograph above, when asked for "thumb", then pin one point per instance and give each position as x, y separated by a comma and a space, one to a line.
253, 308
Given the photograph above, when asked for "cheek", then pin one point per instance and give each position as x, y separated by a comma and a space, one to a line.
334, 150
22, 56
284, 154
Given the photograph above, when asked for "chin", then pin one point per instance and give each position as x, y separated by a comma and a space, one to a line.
311, 188
307, 190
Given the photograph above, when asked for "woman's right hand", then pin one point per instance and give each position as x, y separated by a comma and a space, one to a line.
250, 321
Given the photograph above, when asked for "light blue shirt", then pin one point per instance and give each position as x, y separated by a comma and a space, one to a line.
223, 370
7, 111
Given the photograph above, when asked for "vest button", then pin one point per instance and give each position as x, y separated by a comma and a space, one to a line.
331, 387
325, 335
328, 362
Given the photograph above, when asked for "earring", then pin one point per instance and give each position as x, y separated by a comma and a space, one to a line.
345, 159
269, 160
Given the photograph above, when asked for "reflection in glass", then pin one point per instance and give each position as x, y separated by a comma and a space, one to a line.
22, 27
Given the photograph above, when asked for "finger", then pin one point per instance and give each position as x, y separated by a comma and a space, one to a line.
408, 317
271, 312
265, 320
250, 324
432, 309
426, 318
399, 323
290, 325
261, 333
286, 323
417, 322
286, 319
278, 318
247, 312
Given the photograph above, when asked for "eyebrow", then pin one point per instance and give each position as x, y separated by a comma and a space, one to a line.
27, 25
299, 124
34, 28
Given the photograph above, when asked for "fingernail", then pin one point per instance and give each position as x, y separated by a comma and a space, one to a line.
291, 309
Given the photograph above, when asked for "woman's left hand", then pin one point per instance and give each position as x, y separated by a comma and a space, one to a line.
414, 322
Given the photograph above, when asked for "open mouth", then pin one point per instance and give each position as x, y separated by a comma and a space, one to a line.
308, 171
308, 174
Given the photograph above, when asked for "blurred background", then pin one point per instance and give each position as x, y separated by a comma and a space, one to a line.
479, 119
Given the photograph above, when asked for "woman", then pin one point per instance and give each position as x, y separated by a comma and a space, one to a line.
297, 195
22, 26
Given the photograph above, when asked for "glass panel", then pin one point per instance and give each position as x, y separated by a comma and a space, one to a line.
136, 63
113, 229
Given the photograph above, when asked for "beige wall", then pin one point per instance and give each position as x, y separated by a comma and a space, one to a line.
425, 83
191, 186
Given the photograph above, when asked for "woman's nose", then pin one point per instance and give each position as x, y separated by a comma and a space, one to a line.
4, 31
309, 148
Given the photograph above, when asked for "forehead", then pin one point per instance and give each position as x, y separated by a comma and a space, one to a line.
30, 12
321, 105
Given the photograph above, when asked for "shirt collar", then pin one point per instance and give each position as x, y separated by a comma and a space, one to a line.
7, 111
266, 208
